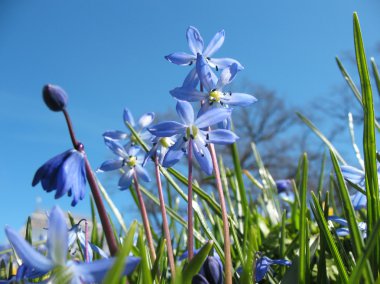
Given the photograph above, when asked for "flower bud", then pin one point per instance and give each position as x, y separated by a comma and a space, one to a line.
54, 97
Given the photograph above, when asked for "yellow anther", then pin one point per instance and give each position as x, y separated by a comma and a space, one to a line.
215, 96
132, 161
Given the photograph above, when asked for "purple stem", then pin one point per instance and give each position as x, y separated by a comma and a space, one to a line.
107, 228
190, 229
164, 219
145, 219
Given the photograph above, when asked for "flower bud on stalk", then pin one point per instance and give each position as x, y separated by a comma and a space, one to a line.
54, 97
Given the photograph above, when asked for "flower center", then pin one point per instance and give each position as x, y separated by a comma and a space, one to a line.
166, 142
215, 96
191, 132
132, 161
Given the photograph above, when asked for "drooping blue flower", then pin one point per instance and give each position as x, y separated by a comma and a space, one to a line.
37, 265
210, 273
344, 231
196, 46
263, 265
76, 233
129, 161
284, 190
144, 121
191, 130
64, 173
213, 94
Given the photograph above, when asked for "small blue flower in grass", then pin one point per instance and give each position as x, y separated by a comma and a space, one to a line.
210, 273
264, 263
344, 231
64, 173
191, 131
144, 121
213, 93
37, 265
196, 46
284, 190
76, 233
129, 161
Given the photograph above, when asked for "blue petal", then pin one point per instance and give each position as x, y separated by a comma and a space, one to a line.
281, 262
195, 40
27, 253
79, 184
82, 241
262, 266
98, 250
342, 232
212, 116
213, 270
207, 78
238, 99
339, 220
167, 129
227, 75
125, 180
199, 279
133, 151
180, 58
111, 165
142, 173
359, 200
172, 157
354, 175
128, 117
186, 94
202, 155
96, 270
57, 241
222, 136
215, 43
222, 63
150, 153
115, 134
146, 119
185, 112
191, 81
116, 148
283, 185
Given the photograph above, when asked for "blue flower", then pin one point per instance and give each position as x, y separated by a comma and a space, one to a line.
196, 46
357, 177
344, 231
214, 94
160, 147
144, 121
128, 161
76, 233
37, 265
191, 131
284, 190
210, 273
263, 265
64, 173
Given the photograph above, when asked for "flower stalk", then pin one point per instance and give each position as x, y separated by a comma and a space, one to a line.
145, 219
164, 218
106, 224
190, 226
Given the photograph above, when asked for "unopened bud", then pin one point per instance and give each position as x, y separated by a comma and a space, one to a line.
54, 97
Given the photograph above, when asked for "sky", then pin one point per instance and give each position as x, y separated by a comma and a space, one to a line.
110, 54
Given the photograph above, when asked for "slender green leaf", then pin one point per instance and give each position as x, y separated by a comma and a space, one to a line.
302, 276
322, 224
115, 273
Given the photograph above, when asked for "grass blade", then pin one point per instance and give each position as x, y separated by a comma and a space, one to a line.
302, 276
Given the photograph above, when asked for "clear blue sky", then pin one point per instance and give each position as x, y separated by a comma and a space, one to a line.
110, 54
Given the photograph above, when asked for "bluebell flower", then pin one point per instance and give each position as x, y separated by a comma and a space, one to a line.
213, 94
129, 161
263, 265
344, 231
76, 233
159, 148
37, 265
191, 130
64, 173
284, 190
196, 46
357, 177
210, 273
141, 128
54, 97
